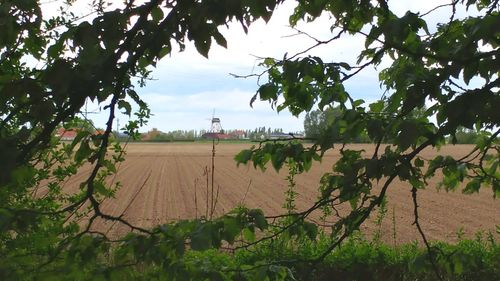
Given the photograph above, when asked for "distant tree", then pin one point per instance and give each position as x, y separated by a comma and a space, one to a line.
316, 121
464, 136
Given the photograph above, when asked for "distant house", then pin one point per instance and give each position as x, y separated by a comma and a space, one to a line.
298, 135
71, 133
66, 134
151, 135
121, 136
237, 134
220, 136
275, 136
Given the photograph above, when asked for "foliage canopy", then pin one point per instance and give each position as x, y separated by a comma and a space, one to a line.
453, 68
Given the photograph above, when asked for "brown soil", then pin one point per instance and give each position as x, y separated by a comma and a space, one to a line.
165, 182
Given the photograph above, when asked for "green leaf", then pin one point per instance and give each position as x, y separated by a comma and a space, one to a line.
419, 162
416, 183
249, 234
277, 159
219, 38
458, 267
122, 104
143, 62
269, 62
164, 51
268, 91
244, 156
353, 201
434, 164
79, 136
203, 46
469, 72
377, 107
201, 238
83, 151
100, 188
358, 103
311, 230
157, 14
55, 50
23, 174
375, 129
5, 219
408, 135
259, 218
472, 187
373, 169
231, 229
307, 163
419, 264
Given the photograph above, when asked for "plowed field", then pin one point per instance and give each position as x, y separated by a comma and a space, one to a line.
165, 182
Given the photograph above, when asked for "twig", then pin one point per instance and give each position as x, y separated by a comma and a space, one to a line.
131, 201
422, 234
394, 233
242, 202
216, 199
435, 8
318, 43
212, 181
195, 198
207, 187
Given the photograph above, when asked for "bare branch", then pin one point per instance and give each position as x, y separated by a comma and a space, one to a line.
422, 234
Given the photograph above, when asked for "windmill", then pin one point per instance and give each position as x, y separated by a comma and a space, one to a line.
86, 122
86, 112
215, 131
215, 126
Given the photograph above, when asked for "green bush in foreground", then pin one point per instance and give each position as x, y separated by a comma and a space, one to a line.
357, 259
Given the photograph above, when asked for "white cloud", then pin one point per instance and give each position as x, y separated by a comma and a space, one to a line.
191, 111
230, 101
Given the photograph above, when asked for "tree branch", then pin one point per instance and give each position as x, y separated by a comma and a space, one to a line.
422, 234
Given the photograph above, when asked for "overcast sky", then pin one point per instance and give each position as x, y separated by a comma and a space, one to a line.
188, 87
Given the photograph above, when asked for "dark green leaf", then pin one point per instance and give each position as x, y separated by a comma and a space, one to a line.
259, 218
201, 239
203, 45
243, 156
125, 105
311, 230
157, 14
83, 151
472, 187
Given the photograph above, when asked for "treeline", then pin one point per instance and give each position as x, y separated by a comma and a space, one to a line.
464, 136
265, 133
316, 122
157, 135
187, 135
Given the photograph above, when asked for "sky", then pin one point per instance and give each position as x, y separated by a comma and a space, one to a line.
187, 88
